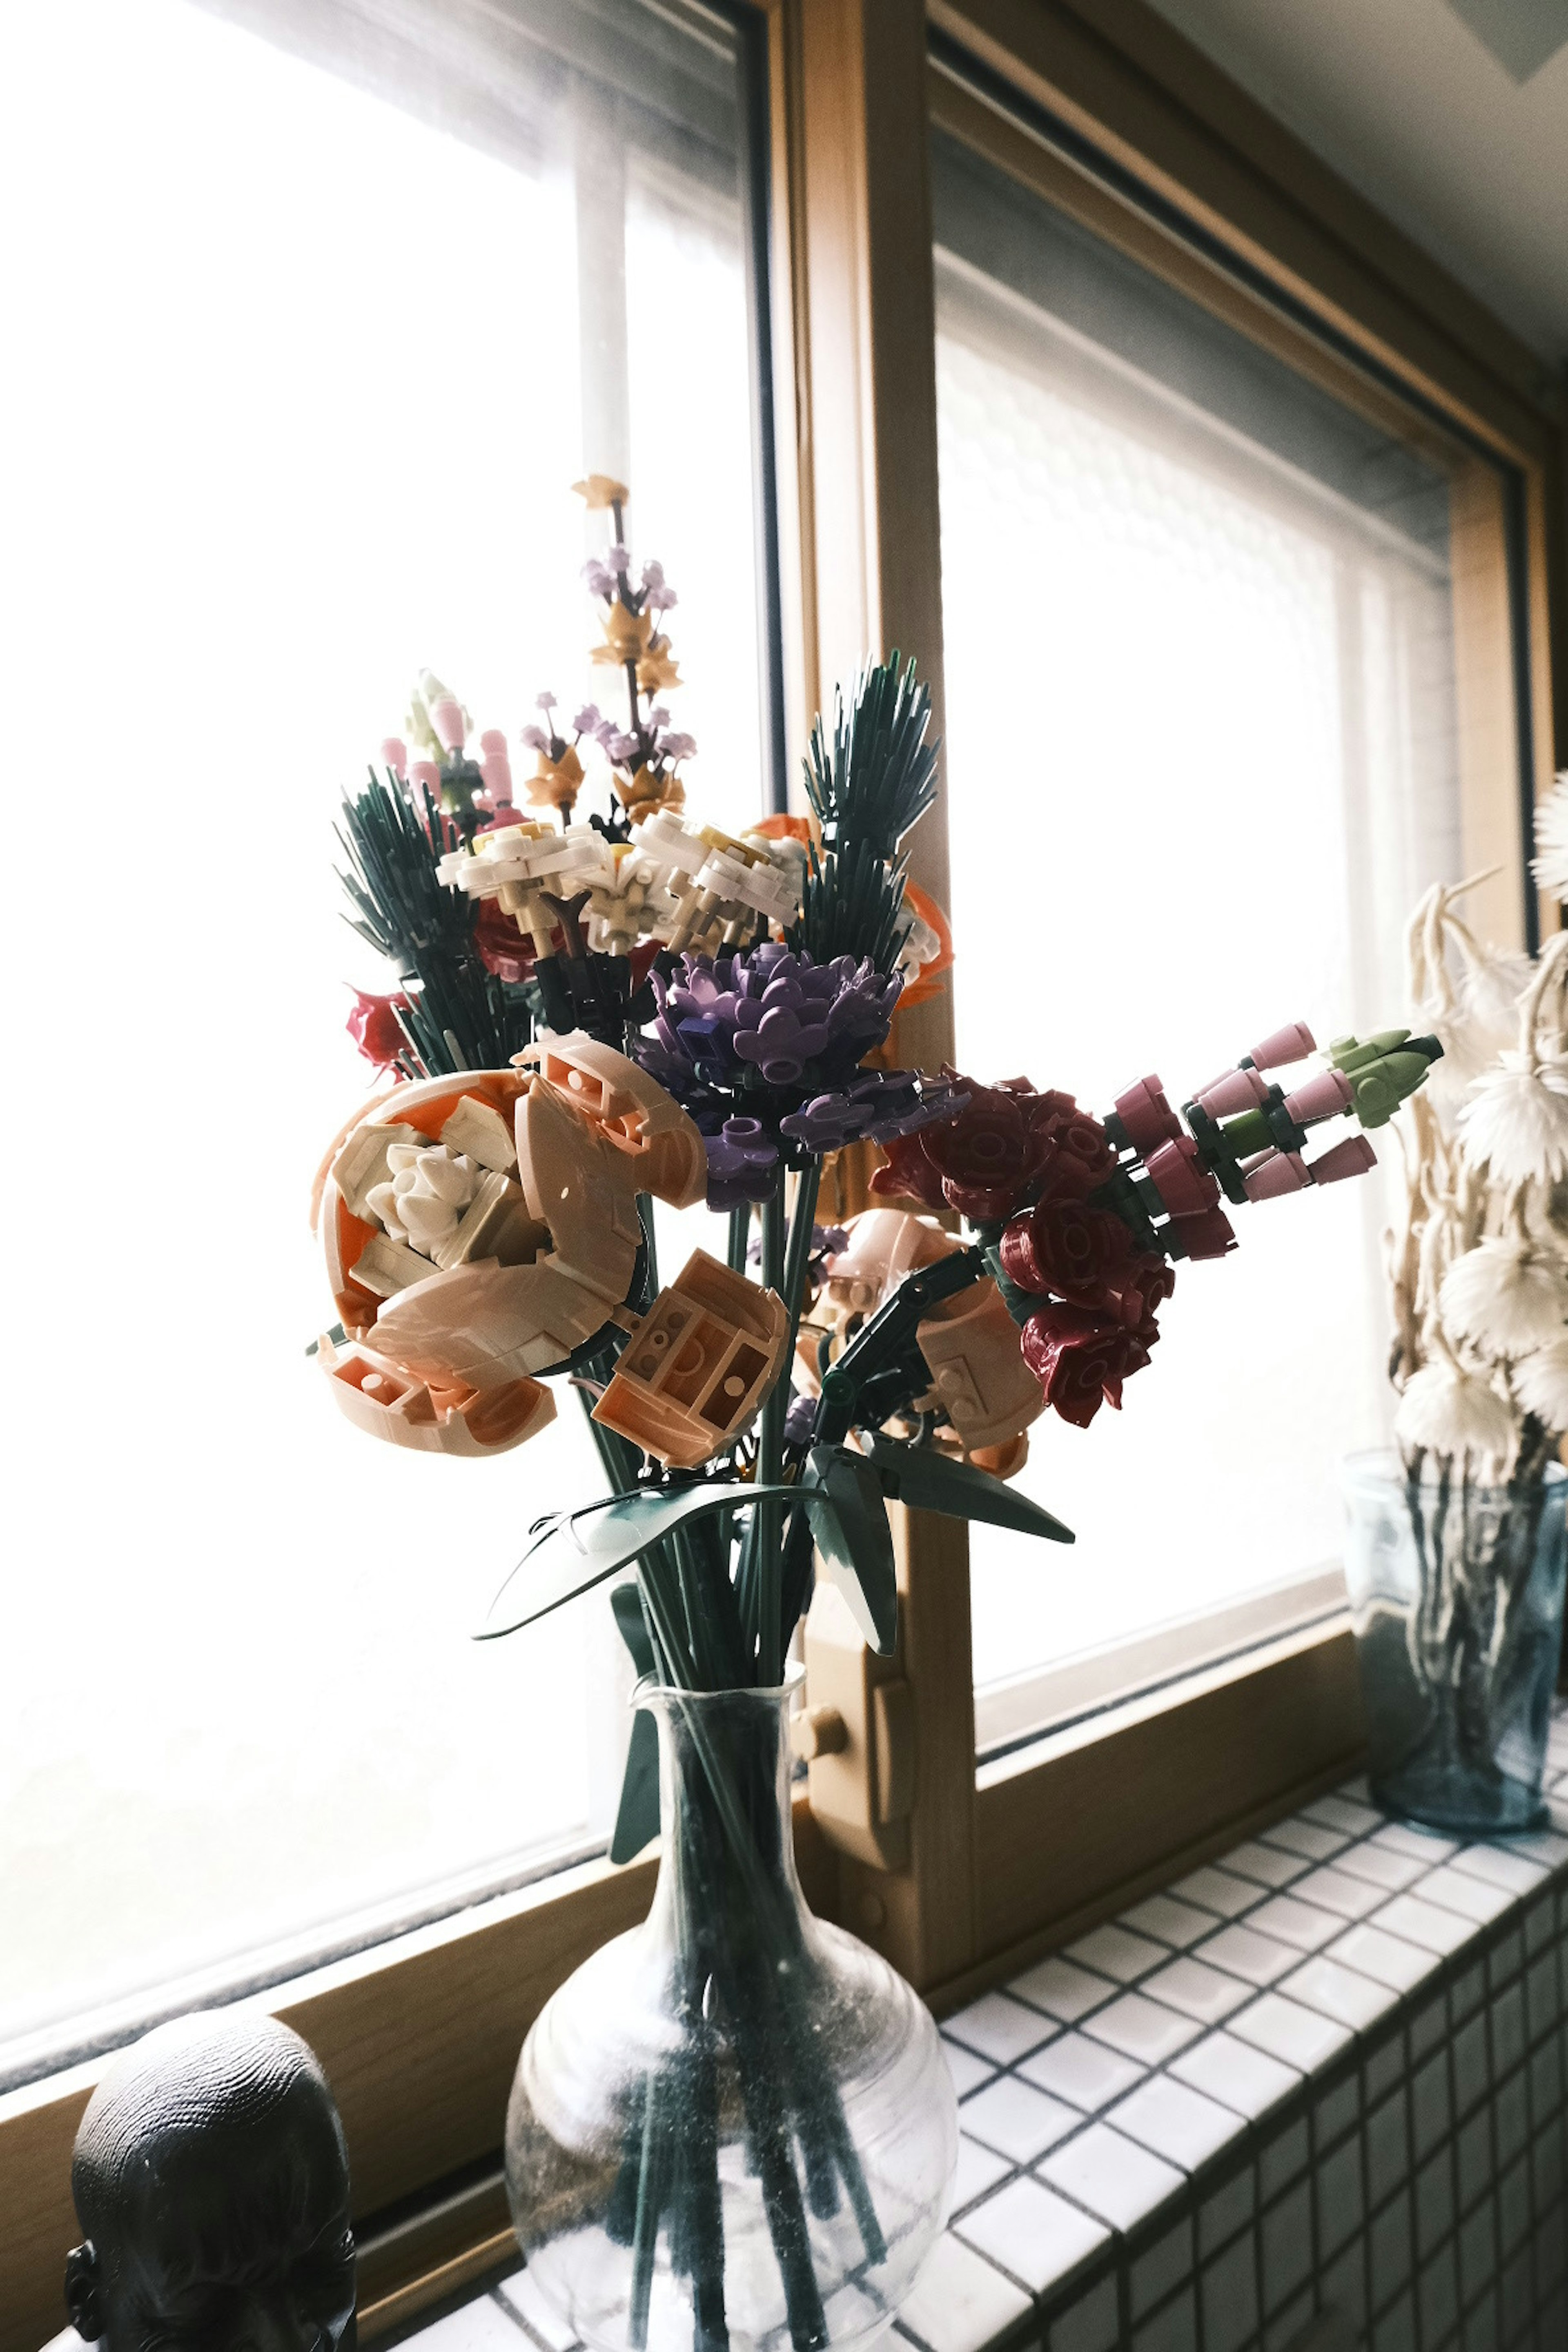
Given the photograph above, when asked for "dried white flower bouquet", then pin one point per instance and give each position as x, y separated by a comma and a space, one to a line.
1479, 1263
1458, 1581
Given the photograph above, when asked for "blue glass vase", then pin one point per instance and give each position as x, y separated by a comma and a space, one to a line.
1456, 1592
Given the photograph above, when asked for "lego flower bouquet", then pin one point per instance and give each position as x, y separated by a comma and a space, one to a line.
1457, 1549
735, 2124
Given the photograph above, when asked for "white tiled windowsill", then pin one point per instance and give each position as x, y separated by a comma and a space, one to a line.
1323, 2074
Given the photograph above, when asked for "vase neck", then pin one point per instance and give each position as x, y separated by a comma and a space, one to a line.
725, 1801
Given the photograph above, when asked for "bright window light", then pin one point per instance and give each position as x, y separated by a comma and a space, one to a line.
295, 403
1202, 762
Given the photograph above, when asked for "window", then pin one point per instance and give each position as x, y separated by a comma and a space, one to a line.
1203, 638
321, 332
314, 333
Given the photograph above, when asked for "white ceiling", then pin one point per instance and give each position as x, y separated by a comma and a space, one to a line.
1450, 116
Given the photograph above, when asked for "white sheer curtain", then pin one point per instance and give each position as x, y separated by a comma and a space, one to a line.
297, 396
1200, 746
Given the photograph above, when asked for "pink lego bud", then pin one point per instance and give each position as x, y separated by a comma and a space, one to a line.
1276, 1173
447, 718
1353, 1157
1210, 1234
1291, 1044
492, 740
496, 768
426, 772
394, 755
1179, 1178
1321, 1097
1239, 1090
1147, 1116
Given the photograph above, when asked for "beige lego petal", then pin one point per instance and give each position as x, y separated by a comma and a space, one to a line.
426, 1104
630, 1109
884, 1246
485, 1325
696, 1369
986, 1389
387, 1266
344, 1239
582, 1190
478, 1129
385, 1399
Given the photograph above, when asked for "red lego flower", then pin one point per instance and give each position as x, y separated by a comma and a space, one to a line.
1084, 1255
1080, 1358
1009, 1145
373, 1025
908, 1174
987, 1156
502, 947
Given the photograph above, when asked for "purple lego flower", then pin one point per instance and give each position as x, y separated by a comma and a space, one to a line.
618, 558
653, 573
824, 1124
742, 1158
600, 578
798, 1420
660, 600
764, 1039
795, 1024
544, 701
678, 747
620, 749
587, 721
535, 738
876, 1106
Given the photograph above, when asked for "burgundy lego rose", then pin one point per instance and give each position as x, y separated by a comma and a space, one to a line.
1080, 1358
1077, 1159
502, 947
1084, 1255
1075, 1156
1008, 1147
1156, 1279
373, 1025
908, 1174
986, 1157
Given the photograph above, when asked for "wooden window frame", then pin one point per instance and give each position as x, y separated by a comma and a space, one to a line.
420, 2036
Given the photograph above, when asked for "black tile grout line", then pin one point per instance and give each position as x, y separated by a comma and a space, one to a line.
1519, 1900
1476, 1954
530, 2335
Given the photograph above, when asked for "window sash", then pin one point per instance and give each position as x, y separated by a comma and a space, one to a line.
420, 2036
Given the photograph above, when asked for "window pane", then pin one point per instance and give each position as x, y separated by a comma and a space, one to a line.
320, 337
1202, 753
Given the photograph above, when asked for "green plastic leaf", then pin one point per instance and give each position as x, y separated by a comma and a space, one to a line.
842, 1495
573, 1550
626, 1602
638, 1818
928, 1481
637, 1821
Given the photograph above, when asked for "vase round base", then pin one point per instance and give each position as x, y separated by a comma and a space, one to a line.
1456, 1592
1453, 1799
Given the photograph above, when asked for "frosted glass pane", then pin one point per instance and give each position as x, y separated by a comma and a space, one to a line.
1201, 758
295, 404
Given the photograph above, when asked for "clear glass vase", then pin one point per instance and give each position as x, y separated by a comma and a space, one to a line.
1456, 1592
732, 2126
